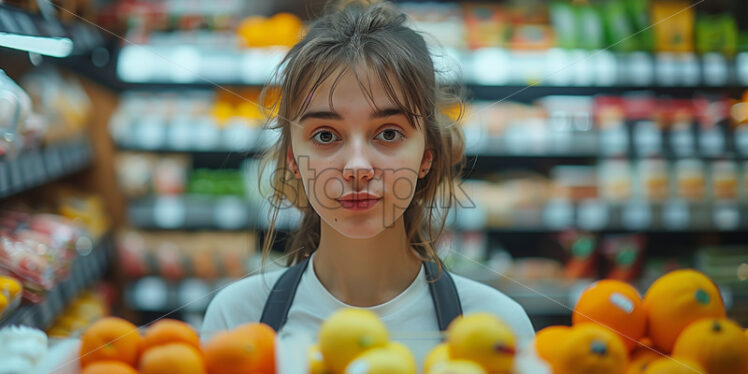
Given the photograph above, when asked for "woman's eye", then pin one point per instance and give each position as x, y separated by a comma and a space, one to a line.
324, 137
390, 135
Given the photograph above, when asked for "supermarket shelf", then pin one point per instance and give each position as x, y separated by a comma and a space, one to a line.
39, 166
490, 67
234, 213
32, 33
633, 216
204, 212
85, 271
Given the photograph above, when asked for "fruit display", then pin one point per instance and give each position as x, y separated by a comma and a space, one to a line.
82, 311
679, 326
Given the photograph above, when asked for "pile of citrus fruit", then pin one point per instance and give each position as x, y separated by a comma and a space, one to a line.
115, 346
679, 326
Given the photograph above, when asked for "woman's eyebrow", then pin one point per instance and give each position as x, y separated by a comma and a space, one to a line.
321, 114
386, 112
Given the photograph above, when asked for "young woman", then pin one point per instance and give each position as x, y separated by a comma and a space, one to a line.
367, 155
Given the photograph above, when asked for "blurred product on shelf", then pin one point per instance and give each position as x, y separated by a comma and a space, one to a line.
11, 291
86, 308
178, 255
189, 121
38, 248
282, 29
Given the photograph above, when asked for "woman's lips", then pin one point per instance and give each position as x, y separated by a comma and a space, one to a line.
362, 204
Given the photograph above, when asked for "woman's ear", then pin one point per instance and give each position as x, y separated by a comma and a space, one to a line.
291, 162
428, 158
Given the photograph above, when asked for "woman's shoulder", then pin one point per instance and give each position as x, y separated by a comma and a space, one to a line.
479, 297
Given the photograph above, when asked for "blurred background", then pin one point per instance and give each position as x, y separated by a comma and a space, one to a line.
605, 139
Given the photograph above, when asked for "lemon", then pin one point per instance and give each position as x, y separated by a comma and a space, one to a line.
484, 339
9, 287
347, 333
316, 362
437, 356
457, 367
394, 358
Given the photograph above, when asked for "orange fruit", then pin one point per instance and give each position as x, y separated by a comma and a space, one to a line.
548, 340
108, 367
590, 349
640, 359
167, 331
110, 338
249, 349
675, 300
718, 344
667, 365
173, 358
614, 304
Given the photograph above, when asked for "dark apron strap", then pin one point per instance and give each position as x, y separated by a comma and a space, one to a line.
443, 294
281, 296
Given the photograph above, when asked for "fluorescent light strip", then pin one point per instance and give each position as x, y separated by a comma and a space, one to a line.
48, 46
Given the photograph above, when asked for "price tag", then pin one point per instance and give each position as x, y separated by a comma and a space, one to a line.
726, 216
558, 214
169, 212
715, 69
592, 215
712, 141
742, 67
150, 294
194, 295
231, 213
640, 69
636, 215
676, 215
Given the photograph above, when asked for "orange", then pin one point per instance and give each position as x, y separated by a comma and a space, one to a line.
548, 340
640, 359
108, 367
675, 300
669, 365
718, 344
110, 338
174, 358
590, 349
167, 331
614, 304
249, 349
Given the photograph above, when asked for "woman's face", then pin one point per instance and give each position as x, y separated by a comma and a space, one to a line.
359, 163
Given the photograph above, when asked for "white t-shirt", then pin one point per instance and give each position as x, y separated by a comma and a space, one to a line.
410, 317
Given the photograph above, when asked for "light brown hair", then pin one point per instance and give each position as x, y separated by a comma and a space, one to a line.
374, 36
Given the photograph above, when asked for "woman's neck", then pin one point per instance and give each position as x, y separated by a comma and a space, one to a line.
366, 272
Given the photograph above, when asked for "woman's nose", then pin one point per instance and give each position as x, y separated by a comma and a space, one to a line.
358, 167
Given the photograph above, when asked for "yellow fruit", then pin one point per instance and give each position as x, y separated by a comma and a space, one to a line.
677, 299
718, 344
590, 349
10, 287
394, 358
347, 333
548, 339
3, 303
484, 339
316, 362
669, 365
458, 367
437, 356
